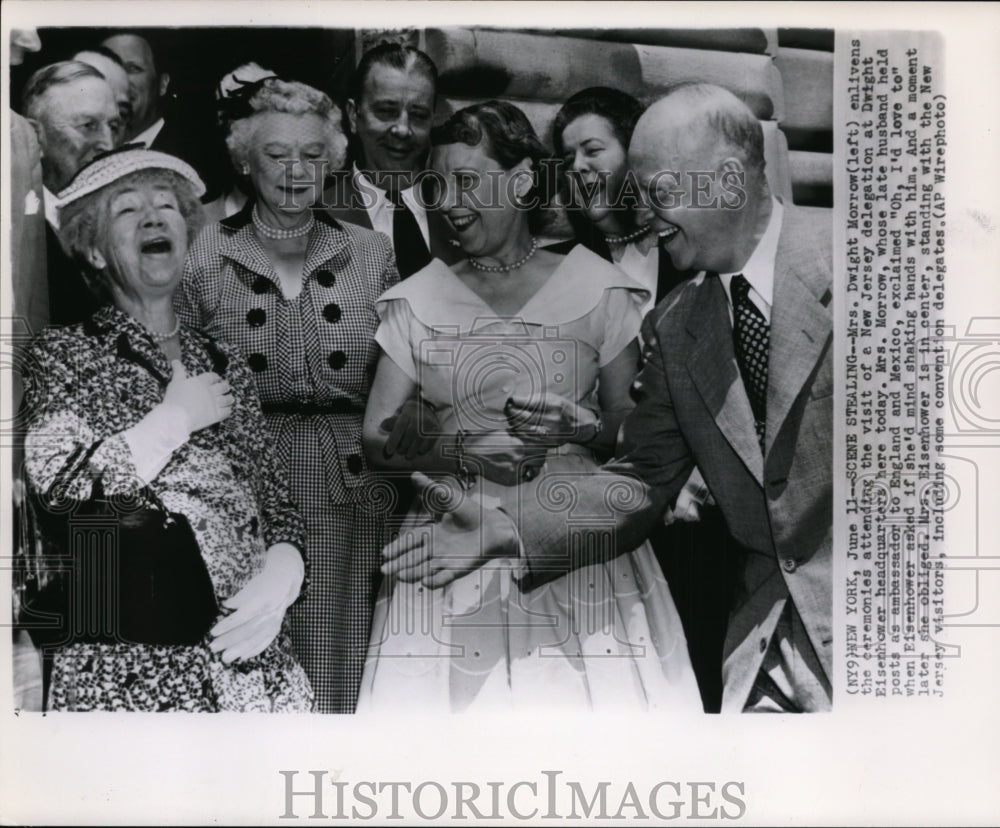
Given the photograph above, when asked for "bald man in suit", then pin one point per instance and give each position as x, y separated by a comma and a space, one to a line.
738, 380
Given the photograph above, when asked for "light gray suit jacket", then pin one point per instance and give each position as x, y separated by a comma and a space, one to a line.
692, 409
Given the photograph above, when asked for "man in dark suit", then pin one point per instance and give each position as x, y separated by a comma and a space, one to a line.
738, 380
151, 123
389, 115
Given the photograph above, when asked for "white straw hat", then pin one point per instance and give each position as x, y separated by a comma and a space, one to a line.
109, 167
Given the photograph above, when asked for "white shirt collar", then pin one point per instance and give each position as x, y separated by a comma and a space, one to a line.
379, 208
148, 135
759, 268
51, 213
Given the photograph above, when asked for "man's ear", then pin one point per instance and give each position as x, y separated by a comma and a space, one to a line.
95, 259
164, 83
731, 165
351, 109
39, 134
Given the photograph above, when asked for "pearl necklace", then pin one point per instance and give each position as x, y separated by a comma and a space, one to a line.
620, 241
163, 337
269, 232
506, 268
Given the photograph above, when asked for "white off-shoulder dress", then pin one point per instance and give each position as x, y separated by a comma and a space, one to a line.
602, 637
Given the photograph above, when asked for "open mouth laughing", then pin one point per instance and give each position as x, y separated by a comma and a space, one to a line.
463, 222
161, 244
668, 233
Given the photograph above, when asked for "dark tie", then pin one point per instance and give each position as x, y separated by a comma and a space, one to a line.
751, 338
411, 250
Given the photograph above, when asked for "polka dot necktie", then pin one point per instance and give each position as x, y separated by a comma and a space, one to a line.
751, 338
407, 240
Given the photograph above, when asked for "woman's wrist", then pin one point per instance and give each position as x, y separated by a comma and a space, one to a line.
285, 558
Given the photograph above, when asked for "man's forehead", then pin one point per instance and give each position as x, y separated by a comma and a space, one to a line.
79, 94
388, 82
131, 48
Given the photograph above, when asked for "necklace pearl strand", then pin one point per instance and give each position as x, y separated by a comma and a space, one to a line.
621, 241
269, 232
163, 337
478, 265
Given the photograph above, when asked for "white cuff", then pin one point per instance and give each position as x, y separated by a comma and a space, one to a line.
155, 438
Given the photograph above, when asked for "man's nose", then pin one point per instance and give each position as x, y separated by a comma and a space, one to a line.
401, 126
643, 213
104, 140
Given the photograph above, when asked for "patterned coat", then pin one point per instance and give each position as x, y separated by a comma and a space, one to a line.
88, 383
313, 359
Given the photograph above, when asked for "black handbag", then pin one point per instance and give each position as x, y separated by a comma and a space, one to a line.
114, 569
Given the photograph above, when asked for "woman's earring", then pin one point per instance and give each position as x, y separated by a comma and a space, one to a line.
244, 169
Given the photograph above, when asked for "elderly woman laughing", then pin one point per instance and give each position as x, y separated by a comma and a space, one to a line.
131, 404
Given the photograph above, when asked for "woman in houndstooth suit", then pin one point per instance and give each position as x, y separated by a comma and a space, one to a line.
295, 290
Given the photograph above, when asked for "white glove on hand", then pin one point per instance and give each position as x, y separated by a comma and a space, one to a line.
205, 399
260, 606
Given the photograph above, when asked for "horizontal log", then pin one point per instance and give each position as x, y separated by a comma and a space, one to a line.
503, 64
750, 41
812, 178
812, 168
808, 83
820, 39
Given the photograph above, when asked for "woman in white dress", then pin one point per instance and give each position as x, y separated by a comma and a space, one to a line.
510, 324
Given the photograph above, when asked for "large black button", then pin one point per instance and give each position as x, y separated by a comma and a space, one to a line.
332, 312
257, 362
256, 317
355, 464
337, 360
325, 278
260, 285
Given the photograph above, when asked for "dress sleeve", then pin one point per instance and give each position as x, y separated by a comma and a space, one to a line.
394, 334
622, 321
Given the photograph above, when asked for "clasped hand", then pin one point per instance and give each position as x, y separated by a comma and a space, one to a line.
412, 430
550, 420
206, 398
503, 457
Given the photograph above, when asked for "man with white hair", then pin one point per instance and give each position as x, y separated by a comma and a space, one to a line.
738, 380
73, 112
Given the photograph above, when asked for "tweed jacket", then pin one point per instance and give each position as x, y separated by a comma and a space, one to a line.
692, 409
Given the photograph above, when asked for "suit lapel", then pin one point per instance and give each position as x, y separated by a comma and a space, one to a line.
800, 322
713, 370
343, 201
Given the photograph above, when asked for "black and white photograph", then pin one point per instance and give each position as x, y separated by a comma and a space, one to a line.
527, 397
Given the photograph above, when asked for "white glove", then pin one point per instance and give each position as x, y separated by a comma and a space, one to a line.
260, 606
205, 399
